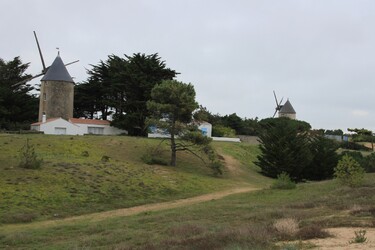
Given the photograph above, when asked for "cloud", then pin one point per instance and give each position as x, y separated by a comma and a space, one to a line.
361, 113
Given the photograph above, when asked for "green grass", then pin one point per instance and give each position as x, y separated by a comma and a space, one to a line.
243, 221
73, 180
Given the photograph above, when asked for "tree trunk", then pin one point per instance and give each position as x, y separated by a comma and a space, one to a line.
173, 145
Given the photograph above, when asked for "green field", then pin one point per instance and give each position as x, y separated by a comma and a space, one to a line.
74, 180
71, 184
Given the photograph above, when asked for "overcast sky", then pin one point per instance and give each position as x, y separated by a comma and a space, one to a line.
318, 53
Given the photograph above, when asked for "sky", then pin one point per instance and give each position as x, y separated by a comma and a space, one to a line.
319, 54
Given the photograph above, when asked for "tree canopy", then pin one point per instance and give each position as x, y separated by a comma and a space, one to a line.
18, 106
121, 87
287, 146
172, 104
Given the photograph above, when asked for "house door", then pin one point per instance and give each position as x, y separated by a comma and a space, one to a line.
60, 131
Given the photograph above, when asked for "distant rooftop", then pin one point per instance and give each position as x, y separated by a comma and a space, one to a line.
287, 108
57, 72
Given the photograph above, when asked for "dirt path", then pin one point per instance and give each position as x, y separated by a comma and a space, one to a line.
232, 165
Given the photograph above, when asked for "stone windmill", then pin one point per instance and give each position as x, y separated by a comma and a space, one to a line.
285, 110
57, 89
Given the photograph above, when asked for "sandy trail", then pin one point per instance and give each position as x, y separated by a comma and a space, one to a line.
232, 166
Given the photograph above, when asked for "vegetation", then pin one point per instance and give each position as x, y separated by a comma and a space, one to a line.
121, 87
227, 125
359, 237
283, 181
243, 221
349, 172
85, 174
18, 107
172, 104
287, 146
28, 158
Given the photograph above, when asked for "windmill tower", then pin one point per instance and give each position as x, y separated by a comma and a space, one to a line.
57, 89
56, 92
285, 110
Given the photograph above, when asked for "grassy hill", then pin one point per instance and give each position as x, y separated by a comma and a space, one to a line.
75, 180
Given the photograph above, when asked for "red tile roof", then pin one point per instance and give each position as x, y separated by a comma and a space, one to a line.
48, 120
89, 121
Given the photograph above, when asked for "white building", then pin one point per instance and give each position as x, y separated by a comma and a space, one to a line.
76, 126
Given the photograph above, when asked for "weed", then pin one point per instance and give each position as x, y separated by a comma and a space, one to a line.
283, 181
287, 228
85, 153
105, 158
359, 237
312, 232
28, 157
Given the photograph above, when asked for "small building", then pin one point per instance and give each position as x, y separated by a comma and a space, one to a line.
76, 126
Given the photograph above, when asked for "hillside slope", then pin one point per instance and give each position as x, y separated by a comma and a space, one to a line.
75, 179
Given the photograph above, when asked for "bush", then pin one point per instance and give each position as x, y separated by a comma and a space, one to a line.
353, 146
28, 157
222, 131
153, 156
349, 172
283, 181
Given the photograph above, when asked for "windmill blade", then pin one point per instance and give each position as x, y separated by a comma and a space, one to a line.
71, 62
274, 114
26, 80
279, 105
274, 94
40, 53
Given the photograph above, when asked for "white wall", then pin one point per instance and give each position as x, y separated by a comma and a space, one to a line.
49, 127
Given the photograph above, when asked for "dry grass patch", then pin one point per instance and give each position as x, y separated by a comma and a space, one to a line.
287, 228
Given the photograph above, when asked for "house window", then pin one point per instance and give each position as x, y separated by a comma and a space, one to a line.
44, 96
95, 130
60, 131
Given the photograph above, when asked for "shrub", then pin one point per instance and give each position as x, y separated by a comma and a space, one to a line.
287, 228
153, 156
105, 158
359, 237
353, 146
28, 157
349, 172
283, 181
85, 153
312, 232
222, 131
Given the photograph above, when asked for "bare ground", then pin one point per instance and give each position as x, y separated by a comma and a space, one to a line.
342, 238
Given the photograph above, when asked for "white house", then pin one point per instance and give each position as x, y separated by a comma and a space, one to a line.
76, 126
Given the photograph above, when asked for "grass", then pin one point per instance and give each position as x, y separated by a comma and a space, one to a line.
72, 182
74, 178
243, 221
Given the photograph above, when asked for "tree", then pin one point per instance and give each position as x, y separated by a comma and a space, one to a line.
288, 146
284, 147
324, 158
349, 172
122, 87
18, 107
172, 104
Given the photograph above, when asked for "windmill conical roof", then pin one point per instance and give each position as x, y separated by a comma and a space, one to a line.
57, 72
287, 108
